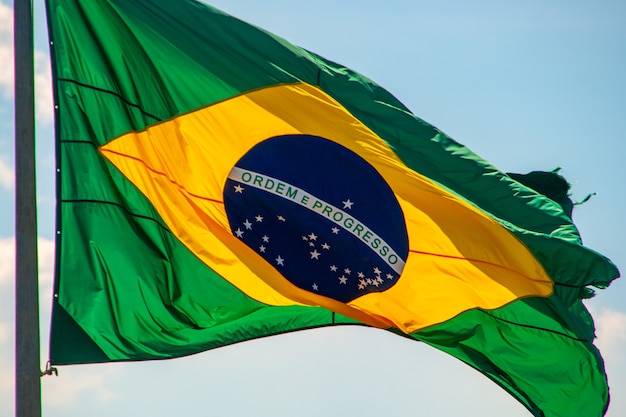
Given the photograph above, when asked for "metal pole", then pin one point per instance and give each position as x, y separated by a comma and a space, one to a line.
27, 370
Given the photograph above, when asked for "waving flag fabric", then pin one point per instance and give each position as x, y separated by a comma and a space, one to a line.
218, 184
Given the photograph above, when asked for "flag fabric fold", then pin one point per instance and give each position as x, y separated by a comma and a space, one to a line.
218, 184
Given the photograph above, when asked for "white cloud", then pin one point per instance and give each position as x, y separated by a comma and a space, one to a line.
5, 332
7, 351
77, 382
611, 332
45, 255
43, 89
6, 50
43, 78
7, 260
7, 177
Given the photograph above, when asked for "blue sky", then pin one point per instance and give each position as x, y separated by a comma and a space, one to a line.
528, 85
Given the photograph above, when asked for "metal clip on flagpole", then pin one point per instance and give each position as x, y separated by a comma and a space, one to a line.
50, 370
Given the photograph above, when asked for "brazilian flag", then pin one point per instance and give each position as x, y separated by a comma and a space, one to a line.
218, 184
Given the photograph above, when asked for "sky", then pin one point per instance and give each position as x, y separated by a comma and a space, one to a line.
528, 85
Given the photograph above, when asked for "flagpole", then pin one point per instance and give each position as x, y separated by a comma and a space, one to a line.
27, 370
